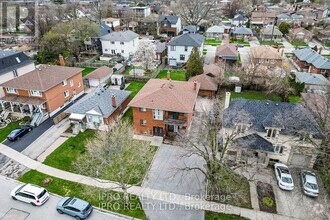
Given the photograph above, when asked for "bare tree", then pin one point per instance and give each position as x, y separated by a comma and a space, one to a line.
192, 11
145, 53
101, 10
114, 155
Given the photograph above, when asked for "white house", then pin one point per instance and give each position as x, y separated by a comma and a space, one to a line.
124, 43
216, 32
112, 23
239, 20
180, 47
99, 77
141, 11
13, 64
117, 79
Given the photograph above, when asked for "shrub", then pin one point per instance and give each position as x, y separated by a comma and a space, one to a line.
268, 201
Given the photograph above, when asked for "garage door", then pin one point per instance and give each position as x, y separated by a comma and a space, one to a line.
300, 160
172, 62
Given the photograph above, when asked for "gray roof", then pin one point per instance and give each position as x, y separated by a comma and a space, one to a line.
296, 16
123, 36
104, 30
239, 17
269, 31
171, 19
254, 142
312, 57
160, 47
312, 78
8, 61
190, 28
243, 31
284, 16
99, 101
187, 40
261, 114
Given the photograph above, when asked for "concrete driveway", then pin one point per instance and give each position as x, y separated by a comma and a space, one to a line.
245, 55
288, 48
165, 174
210, 55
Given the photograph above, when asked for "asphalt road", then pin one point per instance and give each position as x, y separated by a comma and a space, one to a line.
11, 209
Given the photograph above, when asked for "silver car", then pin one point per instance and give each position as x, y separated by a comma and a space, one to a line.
309, 183
74, 207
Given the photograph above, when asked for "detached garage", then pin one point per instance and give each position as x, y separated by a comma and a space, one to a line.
99, 77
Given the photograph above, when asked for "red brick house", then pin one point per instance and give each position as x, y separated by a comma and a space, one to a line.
164, 107
208, 85
309, 60
42, 92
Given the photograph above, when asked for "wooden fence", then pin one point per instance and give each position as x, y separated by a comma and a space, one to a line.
60, 117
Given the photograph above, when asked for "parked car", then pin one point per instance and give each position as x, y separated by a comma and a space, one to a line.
240, 45
30, 193
309, 183
17, 133
283, 176
74, 207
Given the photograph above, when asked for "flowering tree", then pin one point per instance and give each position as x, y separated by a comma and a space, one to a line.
145, 53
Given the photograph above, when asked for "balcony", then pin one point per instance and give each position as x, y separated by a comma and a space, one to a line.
175, 119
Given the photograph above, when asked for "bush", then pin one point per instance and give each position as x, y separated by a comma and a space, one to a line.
269, 202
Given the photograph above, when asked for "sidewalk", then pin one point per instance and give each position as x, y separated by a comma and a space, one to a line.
144, 193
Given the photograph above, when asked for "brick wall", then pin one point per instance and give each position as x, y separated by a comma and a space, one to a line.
206, 93
117, 112
139, 129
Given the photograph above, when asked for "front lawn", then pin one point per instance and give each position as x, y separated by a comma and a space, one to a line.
204, 51
87, 71
4, 132
271, 43
179, 75
105, 199
135, 87
221, 216
241, 42
258, 95
212, 42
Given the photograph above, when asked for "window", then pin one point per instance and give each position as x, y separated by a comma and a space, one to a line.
278, 149
122, 51
15, 73
157, 114
18, 60
79, 84
35, 93
11, 90
267, 61
112, 42
323, 71
143, 109
71, 83
143, 122
43, 106
272, 61
182, 57
105, 49
272, 133
66, 93
172, 48
113, 51
186, 48
64, 82
122, 43
241, 128
261, 60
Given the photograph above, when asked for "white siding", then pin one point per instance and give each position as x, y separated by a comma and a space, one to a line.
180, 50
128, 47
177, 26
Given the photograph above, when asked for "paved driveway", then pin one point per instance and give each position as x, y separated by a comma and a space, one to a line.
245, 55
165, 175
210, 55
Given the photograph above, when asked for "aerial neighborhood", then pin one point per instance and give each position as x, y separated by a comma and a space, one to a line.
181, 109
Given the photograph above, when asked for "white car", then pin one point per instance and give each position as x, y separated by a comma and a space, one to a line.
283, 176
29, 193
309, 183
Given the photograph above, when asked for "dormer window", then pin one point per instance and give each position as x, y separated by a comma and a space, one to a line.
272, 133
278, 149
35, 93
11, 90
241, 128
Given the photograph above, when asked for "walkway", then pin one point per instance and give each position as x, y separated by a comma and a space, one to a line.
144, 193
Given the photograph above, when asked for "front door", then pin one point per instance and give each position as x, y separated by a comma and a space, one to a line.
158, 131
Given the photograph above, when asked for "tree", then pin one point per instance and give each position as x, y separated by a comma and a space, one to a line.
192, 11
232, 8
284, 27
114, 155
194, 63
145, 53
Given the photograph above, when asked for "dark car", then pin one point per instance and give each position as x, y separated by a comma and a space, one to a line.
117, 59
17, 133
74, 207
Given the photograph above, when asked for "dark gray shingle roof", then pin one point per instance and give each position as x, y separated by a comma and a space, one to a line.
104, 30
8, 61
187, 40
291, 118
99, 101
254, 142
124, 36
171, 19
243, 31
312, 78
312, 57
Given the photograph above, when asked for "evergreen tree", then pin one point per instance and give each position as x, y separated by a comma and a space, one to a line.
195, 63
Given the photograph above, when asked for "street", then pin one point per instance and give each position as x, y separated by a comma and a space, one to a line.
11, 209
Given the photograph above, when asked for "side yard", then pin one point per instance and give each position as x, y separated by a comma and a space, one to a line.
87, 71
179, 75
258, 95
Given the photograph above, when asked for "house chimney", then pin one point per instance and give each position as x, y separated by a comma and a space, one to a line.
113, 100
320, 50
195, 85
227, 100
282, 52
168, 75
61, 58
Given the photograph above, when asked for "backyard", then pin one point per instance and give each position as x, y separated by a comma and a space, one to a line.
4, 132
241, 42
221, 216
179, 75
114, 201
258, 95
212, 42
87, 71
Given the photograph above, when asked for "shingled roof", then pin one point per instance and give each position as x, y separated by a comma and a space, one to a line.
269, 31
312, 78
11, 60
228, 51
123, 36
193, 40
243, 31
168, 95
100, 73
254, 142
207, 82
290, 118
171, 19
310, 56
265, 52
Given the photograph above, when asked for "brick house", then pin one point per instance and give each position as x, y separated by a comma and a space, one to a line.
300, 34
262, 18
164, 107
42, 92
266, 55
309, 60
98, 109
208, 85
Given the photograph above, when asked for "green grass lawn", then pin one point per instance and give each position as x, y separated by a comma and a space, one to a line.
135, 87
204, 51
64, 156
258, 95
113, 201
271, 43
179, 75
246, 44
4, 132
87, 71
212, 42
221, 216
295, 44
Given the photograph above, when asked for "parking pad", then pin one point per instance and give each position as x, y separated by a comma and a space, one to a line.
15, 214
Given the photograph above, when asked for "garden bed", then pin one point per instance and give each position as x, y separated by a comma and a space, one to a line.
266, 197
